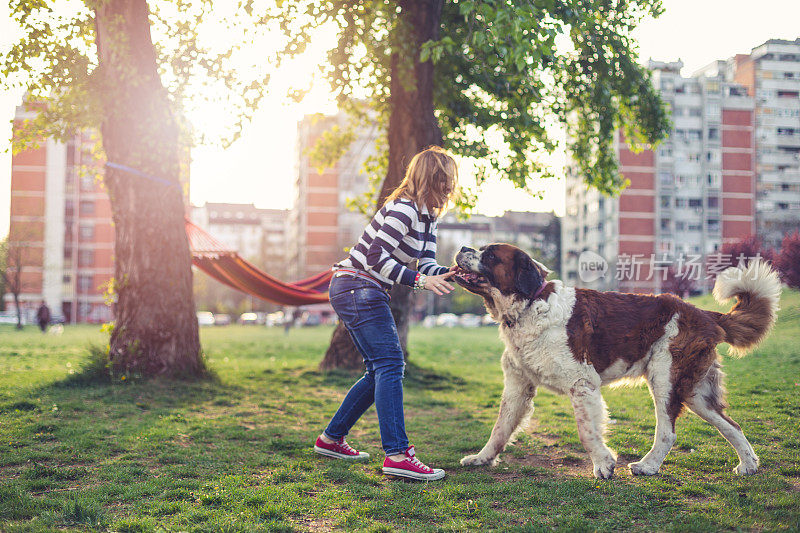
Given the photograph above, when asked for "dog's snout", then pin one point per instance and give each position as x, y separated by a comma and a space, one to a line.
465, 249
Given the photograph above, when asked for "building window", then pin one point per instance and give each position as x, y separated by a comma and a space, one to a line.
665, 224
713, 134
695, 112
666, 201
87, 207
695, 202
87, 232
712, 201
788, 94
86, 258
680, 202
712, 109
680, 225
713, 224
84, 283
87, 183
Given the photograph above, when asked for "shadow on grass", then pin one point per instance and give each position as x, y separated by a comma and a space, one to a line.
416, 377
96, 370
93, 379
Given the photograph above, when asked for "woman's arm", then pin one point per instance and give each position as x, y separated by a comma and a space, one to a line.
388, 235
427, 262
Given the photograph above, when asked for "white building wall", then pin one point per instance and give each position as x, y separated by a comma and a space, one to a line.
54, 227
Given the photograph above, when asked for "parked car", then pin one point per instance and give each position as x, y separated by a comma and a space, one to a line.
221, 319
487, 320
248, 319
9, 318
468, 320
275, 319
204, 318
310, 319
447, 320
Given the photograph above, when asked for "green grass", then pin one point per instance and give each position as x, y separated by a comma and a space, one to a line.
235, 454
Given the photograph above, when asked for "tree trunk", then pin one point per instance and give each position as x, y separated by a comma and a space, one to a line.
155, 331
19, 310
412, 127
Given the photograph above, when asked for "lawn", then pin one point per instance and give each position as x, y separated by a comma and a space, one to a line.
235, 454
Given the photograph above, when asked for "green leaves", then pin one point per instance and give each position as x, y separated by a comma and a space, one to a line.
528, 73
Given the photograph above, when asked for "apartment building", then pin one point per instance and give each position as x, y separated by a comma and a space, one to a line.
62, 216
258, 235
322, 225
537, 233
771, 74
685, 199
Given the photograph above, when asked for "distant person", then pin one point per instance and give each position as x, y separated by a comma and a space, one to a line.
402, 231
287, 322
43, 317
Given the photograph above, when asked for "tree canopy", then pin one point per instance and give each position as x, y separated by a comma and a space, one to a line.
509, 77
520, 71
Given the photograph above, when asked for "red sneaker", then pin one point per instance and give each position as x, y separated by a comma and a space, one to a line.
411, 467
339, 449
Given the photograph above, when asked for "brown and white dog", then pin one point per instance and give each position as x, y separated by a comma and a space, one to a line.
573, 341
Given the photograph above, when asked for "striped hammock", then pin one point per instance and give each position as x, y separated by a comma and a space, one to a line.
226, 266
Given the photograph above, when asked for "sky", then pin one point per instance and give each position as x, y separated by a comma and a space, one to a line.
260, 166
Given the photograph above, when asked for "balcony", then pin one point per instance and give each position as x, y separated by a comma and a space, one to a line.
786, 140
777, 158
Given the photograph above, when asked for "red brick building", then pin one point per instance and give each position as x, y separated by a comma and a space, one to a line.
685, 199
61, 216
322, 227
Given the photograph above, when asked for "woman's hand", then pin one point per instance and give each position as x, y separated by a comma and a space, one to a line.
438, 285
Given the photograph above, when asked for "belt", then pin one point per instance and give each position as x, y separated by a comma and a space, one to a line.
344, 271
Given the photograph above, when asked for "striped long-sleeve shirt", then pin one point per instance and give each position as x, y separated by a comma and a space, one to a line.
398, 234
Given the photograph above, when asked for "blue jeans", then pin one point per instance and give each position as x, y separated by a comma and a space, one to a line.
364, 310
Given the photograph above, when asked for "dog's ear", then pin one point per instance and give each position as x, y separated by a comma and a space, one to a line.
529, 277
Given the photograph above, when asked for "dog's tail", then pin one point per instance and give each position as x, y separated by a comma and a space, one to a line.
757, 289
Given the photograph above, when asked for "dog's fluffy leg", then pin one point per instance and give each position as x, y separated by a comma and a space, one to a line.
590, 415
515, 406
662, 391
708, 402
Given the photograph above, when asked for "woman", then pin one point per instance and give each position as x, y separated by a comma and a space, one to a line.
402, 231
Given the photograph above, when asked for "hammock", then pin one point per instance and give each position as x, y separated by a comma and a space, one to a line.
227, 267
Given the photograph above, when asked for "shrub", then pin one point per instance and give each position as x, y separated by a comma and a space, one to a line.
788, 260
744, 250
679, 285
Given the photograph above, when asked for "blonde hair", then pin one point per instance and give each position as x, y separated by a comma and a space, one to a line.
431, 180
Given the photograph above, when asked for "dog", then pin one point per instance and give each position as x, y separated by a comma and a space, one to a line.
573, 341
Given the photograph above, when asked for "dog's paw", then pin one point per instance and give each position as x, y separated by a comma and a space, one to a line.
604, 468
477, 460
641, 468
746, 470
